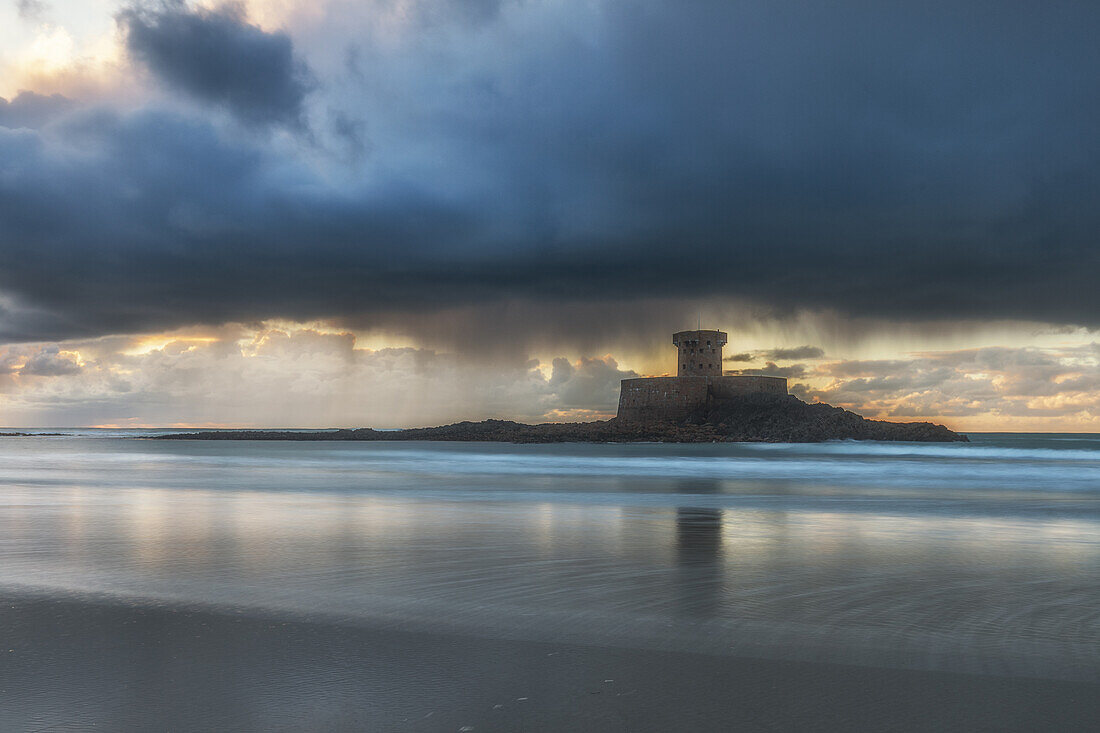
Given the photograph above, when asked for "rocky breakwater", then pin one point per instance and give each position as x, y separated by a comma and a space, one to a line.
753, 418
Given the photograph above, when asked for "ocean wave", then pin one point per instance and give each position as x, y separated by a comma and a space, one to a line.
964, 451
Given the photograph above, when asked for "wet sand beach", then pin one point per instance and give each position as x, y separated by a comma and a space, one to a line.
91, 664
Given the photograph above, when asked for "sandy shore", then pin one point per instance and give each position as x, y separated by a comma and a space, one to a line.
76, 665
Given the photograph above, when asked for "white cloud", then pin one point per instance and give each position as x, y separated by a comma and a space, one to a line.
291, 377
317, 375
995, 387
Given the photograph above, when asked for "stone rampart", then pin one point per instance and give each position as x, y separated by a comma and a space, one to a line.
722, 387
671, 399
661, 398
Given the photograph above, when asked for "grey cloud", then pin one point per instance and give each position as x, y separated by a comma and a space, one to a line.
47, 362
935, 407
800, 390
306, 342
590, 384
869, 368
31, 9
771, 369
218, 57
31, 110
799, 352
351, 132
471, 12
9, 361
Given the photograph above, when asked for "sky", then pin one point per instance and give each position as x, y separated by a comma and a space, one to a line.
403, 212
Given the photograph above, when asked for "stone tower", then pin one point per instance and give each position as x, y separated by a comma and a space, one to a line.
699, 353
697, 387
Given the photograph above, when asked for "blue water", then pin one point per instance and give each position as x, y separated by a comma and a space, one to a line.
977, 557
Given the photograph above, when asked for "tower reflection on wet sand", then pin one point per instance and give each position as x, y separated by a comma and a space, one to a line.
698, 554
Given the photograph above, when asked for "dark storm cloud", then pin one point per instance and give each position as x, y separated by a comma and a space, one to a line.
216, 56
896, 160
167, 223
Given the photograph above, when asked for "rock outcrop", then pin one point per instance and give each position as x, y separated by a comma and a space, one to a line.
756, 418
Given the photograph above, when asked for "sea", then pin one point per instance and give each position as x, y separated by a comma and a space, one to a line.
980, 557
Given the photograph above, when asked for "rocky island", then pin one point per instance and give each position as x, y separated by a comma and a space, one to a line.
699, 405
750, 417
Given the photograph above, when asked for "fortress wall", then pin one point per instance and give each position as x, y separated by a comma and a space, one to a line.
661, 398
657, 399
721, 387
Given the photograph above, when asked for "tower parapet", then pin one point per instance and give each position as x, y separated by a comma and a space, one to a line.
699, 353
